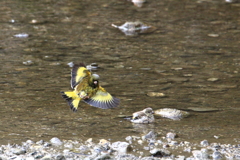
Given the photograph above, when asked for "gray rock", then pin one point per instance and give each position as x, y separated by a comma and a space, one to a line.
180, 158
56, 141
171, 135
120, 147
217, 155
150, 136
126, 157
157, 152
18, 151
204, 143
200, 154
47, 157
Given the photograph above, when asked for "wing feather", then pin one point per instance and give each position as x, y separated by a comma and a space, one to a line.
78, 73
102, 99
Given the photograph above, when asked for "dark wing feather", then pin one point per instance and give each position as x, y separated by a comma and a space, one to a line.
103, 99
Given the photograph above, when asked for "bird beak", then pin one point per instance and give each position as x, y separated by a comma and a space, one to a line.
95, 82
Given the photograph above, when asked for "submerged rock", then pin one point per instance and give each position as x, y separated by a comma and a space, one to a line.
138, 3
21, 35
134, 28
144, 116
203, 109
171, 113
156, 94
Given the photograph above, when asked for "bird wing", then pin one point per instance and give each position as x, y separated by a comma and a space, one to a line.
78, 73
102, 99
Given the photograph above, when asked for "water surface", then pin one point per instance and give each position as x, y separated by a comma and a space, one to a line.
194, 42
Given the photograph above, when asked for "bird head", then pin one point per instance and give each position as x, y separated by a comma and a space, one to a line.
94, 80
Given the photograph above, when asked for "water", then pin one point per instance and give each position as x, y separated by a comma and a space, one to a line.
195, 41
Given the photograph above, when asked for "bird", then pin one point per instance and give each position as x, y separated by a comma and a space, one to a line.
86, 88
144, 116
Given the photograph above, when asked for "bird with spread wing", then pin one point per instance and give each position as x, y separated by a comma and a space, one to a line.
86, 88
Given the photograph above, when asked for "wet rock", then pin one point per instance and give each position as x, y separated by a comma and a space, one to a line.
28, 63
171, 135
120, 147
135, 28
18, 151
156, 94
21, 35
56, 141
213, 35
202, 109
144, 116
156, 152
217, 155
150, 136
212, 79
174, 114
150, 158
138, 3
127, 157
47, 157
200, 154
204, 143
173, 143
129, 139
180, 158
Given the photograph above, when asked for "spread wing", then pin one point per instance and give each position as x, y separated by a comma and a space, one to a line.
102, 99
78, 73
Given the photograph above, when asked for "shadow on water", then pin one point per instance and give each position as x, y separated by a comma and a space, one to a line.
193, 58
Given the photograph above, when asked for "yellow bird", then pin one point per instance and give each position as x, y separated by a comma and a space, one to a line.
86, 87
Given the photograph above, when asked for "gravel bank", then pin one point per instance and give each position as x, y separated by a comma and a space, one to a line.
147, 147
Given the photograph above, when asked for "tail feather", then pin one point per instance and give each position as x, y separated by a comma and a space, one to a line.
72, 100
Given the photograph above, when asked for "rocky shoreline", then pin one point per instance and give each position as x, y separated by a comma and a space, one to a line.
147, 147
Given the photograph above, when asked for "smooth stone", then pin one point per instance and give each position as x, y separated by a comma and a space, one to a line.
120, 147
204, 143
150, 136
217, 155
171, 135
56, 141
213, 35
156, 94
212, 79
18, 151
203, 109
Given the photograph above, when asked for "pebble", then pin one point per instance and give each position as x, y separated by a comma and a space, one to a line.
213, 35
150, 136
171, 135
212, 79
28, 63
18, 151
88, 150
120, 147
128, 138
138, 3
217, 155
56, 141
204, 143
21, 35
156, 94
134, 28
